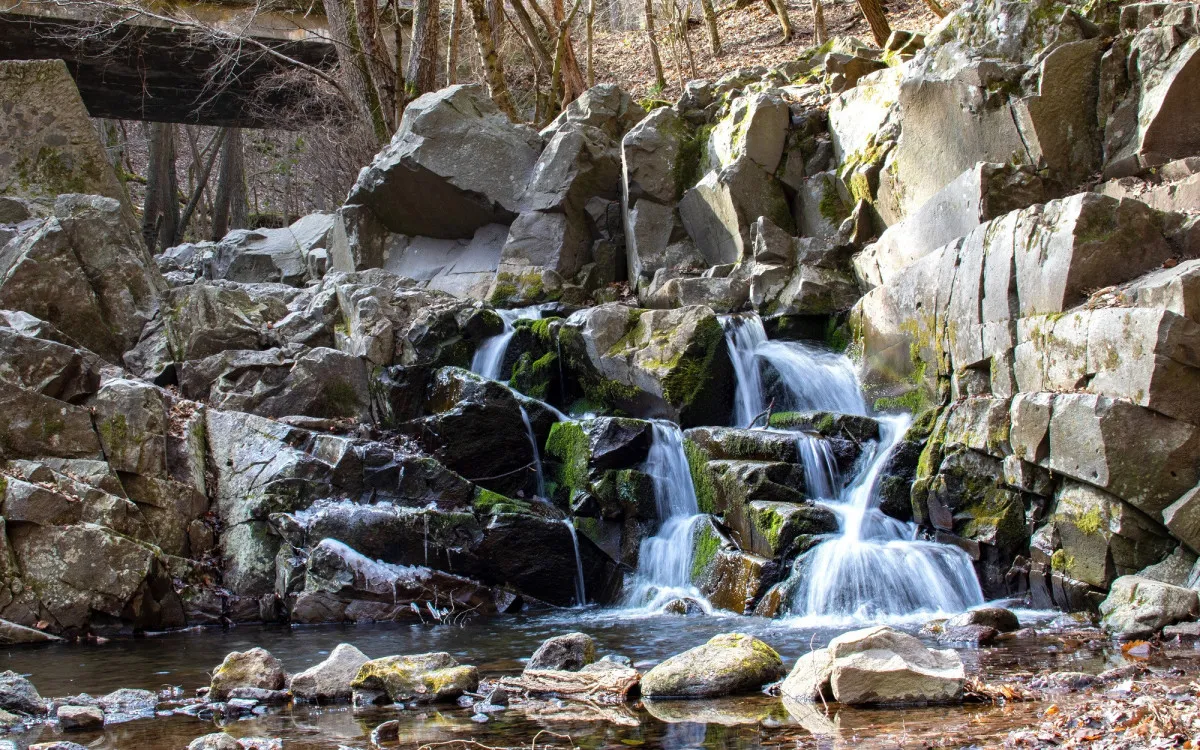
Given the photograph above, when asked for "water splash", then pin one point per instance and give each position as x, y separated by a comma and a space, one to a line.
665, 559
580, 593
876, 569
744, 334
537, 454
489, 357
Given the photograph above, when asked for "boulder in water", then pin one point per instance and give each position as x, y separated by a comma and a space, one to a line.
18, 695
255, 668
808, 681
683, 606
426, 678
880, 665
330, 680
1139, 607
729, 664
215, 741
1000, 619
571, 652
80, 718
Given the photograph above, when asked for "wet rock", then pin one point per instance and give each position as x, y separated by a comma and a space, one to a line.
683, 606
570, 652
80, 718
215, 741
883, 666
87, 272
974, 635
57, 745
729, 664
205, 319
1182, 631
426, 678
1064, 681
330, 680
455, 164
732, 443
256, 696
998, 618
809, 680
255, 668
1138, 607
12, 634
18, 695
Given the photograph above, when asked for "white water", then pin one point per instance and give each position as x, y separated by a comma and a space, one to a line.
580, 593
812, 378
537, 454
665, 559
876, 569
489, 357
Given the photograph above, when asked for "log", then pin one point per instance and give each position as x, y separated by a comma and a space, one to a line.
609, 686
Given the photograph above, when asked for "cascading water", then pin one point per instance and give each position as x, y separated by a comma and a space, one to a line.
876, 569
580, 593
537, 454
489, 357
665, 559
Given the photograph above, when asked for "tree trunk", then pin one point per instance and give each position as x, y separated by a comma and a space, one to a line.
873, 10
160, 215
201, 183
343, 28
496, 16
571, 75
229, 207
591, 42
452, 45
493, 67
820, 30
710, 20
423, 51
383, 77
532, 37
936, 8
660, 80
779, 8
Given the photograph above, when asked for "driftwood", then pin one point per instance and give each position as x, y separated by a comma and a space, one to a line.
608, 686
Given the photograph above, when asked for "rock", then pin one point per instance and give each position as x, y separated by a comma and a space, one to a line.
857, 114
330, 680
571, 652
215, 741
883, 666
720, 210
729, 664
455, 164
999, 619
1182, 631
974, 635
80, 718
624, 358
756, 127
683, 606
1182, 518
12, 634
43, 365
464, 267
205, 319
808, 681
1138, 607
48, 144
255, 668
18, 695
131, 418
86, 271
34, 426
270, 255
605, 106
426, 678
57, 745
655, 153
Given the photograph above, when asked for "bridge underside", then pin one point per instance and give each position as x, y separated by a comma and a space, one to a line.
138, 72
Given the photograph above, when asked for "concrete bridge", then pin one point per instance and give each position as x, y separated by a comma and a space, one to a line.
205, 64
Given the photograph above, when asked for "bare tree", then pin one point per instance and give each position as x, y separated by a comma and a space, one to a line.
230, 206
820, 30
452, 44
877, 20
779, 8
493, 67
160, 215
591, 43
936, 8
660, 80
570, 75
710, 20
423, 52
343, 27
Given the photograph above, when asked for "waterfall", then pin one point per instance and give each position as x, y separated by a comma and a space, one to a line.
537, 454
489, 357
876, 569
808, 377
580, 594
822, 478
665, 559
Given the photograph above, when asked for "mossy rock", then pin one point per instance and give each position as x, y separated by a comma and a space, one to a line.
255, 668
729, 664
427, 678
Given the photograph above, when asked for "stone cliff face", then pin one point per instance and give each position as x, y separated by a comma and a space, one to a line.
1000, 222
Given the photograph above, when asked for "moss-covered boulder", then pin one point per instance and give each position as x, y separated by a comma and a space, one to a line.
734, 581
729, 664
671, 363
733, 443
425, 678
255, 668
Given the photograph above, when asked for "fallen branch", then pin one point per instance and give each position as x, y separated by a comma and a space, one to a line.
767, 412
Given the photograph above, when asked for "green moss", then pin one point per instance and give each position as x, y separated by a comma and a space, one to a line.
114, 431
533, 377
1061, 561
341, 399
705, 545
1090, 521
490, 503
689, 375
837, 336
567, 445
913, 401
701, 481
689, 164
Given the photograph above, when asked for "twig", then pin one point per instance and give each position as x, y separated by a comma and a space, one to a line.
767, 412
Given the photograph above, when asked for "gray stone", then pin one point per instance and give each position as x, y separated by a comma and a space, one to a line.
1139, 607
255, 668
1103, 537
882, 666
653, 156
131, 418
205, 319
215, 741
80, 718
455, 164
808, 682
18, 695
427, 678
997, 618
571, 652
1182, 518
605, 106
275, 255
719, 211
330, 680
728, 664
464, 267
755, 127
12, 634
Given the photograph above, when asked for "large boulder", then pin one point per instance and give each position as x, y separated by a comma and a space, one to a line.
330, 680
455, 164
48, 143
1139, 607
86, 271
270, 255
721, 209
255, 668
880, 665
729, 664
571, 652
651, 362
18, 695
